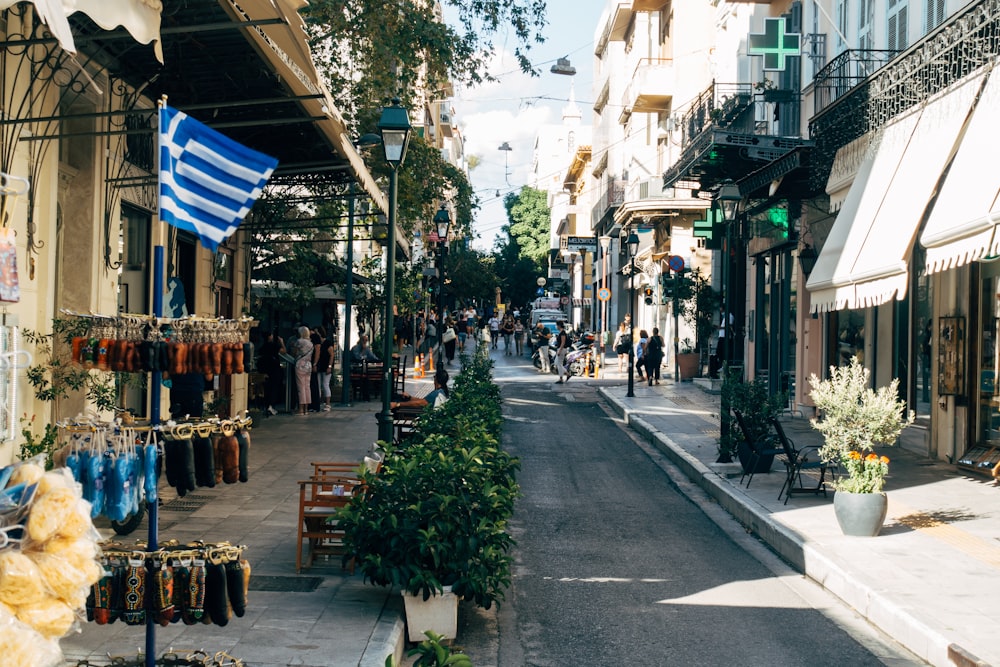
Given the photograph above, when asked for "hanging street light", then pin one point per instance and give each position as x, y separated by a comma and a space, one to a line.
394, 126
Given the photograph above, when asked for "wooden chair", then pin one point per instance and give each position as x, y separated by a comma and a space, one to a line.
760, 448
798, 461
320, 498
404, 419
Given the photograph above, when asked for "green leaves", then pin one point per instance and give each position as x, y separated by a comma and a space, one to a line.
852, 415
437, 513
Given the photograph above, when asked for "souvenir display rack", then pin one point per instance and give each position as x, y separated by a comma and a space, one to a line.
142, 344
173, 346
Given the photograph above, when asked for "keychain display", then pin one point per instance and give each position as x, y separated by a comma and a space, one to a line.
139, 344
194, 583
118, 465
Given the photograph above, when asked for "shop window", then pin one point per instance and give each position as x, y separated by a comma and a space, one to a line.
983, 455
850, 337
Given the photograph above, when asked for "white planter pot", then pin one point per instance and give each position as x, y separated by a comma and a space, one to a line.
438, 613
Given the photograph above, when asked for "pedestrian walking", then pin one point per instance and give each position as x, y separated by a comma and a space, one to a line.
449, 338
507, 331
622, 344
302, 350
562, 349
543, 336
654, 356
494, 324
640, 350
270, 364
324, 370
518, 336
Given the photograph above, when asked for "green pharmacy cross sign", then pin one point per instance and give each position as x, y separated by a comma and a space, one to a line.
710, 228
775, 44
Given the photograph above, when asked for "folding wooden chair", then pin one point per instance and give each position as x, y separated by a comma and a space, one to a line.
320, 499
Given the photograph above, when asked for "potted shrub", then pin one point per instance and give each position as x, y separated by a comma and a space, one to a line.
434, 520
758, 405
688, 360
699, 304
853, 419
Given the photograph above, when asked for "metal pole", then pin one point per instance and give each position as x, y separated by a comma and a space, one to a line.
345, 395
631, 347
385, 416
677, 337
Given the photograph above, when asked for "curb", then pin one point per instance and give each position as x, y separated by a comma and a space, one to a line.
388, 637
924, 642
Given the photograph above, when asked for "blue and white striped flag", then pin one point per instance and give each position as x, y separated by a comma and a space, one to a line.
208, 182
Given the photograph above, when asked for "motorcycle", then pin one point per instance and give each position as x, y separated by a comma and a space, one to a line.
536, 359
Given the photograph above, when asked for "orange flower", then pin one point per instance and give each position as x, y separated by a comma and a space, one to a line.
872, 457
854, 456
884, 459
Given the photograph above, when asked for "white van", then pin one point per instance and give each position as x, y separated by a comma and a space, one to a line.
550, 314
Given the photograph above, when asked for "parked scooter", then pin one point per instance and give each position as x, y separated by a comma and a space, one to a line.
536, 359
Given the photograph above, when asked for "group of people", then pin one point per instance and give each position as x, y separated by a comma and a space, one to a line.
648, 351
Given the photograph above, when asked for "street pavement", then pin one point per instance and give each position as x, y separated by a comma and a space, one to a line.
930, 580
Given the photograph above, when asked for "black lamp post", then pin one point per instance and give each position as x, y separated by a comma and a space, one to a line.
728, 199
394, 126
442, 220
632, 243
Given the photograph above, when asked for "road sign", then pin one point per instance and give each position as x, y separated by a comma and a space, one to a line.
676, 263
603, 294
540, 291
564, 300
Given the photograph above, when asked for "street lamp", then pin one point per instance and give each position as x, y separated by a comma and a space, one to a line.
442, 220
728, 199
394, 126
632, 243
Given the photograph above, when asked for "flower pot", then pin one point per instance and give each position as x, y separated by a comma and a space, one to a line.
438, 613
860, 514
687, 363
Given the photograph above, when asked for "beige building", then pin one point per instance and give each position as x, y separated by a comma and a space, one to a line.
78, 141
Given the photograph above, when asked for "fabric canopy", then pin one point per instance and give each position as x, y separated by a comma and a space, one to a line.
880, 271
141, 18
960, 228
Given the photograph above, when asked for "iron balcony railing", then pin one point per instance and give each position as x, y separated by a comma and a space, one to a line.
845, 72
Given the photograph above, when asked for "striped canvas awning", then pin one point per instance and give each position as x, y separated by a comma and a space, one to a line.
581, 302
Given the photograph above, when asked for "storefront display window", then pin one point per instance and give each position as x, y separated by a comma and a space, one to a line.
924, 333
850, 341
985, 454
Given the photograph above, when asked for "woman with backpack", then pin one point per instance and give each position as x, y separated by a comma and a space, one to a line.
653, 356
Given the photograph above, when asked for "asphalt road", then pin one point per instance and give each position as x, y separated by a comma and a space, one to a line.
621, 562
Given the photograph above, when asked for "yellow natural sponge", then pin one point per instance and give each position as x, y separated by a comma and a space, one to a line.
20, 580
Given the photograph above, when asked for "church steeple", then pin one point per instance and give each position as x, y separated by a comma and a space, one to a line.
571, 112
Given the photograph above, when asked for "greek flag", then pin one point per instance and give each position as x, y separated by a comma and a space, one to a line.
208, 182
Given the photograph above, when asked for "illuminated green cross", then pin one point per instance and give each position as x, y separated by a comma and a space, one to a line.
704, 228
775, 44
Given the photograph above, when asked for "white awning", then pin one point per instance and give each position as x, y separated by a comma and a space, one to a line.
824, 294
880, 270
141, 18
844, 170
832, 281
961, 225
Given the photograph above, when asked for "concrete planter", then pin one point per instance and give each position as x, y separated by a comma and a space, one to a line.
860, 514
438, 613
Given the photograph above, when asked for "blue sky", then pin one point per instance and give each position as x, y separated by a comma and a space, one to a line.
514, 108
